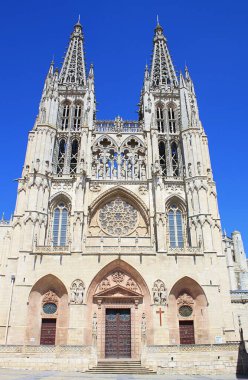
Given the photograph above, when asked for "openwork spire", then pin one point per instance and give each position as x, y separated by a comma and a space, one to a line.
162, 73
73, 69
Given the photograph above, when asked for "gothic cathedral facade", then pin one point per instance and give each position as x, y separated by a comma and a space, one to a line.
116, 241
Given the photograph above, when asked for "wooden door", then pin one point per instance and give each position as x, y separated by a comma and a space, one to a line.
48, 331
118, 333
187, 335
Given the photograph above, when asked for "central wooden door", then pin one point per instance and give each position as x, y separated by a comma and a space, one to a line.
187, 335
118, 333
48, 331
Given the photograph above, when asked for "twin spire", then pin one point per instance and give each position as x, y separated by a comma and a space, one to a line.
161, 75
162, 70
73, 70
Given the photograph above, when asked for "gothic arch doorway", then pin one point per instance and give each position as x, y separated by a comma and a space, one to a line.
48, 312
119, 308
188, 313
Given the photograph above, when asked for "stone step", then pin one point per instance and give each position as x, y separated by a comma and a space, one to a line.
120, 367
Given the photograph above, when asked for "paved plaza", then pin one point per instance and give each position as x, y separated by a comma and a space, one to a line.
10, 374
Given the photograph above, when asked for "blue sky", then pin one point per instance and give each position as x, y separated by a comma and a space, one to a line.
210, 36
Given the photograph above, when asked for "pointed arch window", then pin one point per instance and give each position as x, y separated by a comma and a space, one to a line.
77, 117
60, 221
160, 119
61, 157
162, 157
174, 159
175, 220
172, 120
74, 156
65, 117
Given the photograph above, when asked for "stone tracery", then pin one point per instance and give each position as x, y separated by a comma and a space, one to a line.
118, 217
111, 161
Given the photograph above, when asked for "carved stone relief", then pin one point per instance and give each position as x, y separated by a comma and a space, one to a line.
50, 296
118, 278
159, 293
185, 299
77, 292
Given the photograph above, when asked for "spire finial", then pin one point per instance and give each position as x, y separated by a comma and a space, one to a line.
157, 20
78, 19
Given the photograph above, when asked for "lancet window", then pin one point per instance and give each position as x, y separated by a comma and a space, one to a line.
60, 222
113, 162
61, 157
175, 226
162, 157
174, 159
65, 117
77, 117
160, 120
172, 120
74, 156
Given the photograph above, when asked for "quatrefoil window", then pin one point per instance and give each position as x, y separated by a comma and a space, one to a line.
118, 218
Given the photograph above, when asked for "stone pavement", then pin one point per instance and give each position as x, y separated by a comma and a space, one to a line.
10, 374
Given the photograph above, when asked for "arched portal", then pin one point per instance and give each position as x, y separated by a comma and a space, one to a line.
48, 314
119, 307
188, 313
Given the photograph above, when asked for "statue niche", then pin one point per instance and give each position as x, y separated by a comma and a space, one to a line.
159, 293
77, 292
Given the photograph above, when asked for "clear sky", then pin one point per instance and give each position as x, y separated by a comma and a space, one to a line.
209, 35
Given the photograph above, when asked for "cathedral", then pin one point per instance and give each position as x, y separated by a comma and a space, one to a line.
115, 248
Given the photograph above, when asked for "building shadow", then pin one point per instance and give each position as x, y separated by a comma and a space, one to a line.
242, 362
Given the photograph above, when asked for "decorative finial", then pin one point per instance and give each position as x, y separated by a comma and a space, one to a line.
157, 20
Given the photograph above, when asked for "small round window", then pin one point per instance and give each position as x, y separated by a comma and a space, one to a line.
185, 311
49, 308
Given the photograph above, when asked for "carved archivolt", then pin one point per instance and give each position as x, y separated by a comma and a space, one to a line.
77, 292
185, 305
159, 293
50, 297
118, 278
185, 299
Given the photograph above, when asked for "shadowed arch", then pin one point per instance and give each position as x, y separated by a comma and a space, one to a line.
142, 308
35, 313
115, 265
49, 282
61, 196
187, 286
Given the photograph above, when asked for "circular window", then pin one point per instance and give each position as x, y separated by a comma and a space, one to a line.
118, 218
185, 310
49, 308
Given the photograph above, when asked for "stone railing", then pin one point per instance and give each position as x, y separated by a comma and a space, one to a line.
119, 250
185, 251
49, 249
117, 125
45, 349
233, 346
239, 296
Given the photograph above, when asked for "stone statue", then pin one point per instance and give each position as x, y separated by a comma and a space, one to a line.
77, 292
159, 293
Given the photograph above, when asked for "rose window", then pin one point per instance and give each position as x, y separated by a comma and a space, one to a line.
118, 218
185, 310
